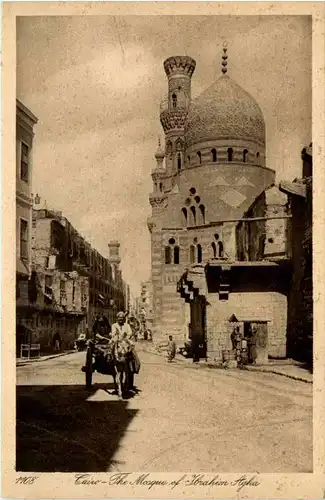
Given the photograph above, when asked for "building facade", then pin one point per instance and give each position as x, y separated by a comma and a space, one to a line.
300, 312
71, 283
210, 176
25, 122
145, 305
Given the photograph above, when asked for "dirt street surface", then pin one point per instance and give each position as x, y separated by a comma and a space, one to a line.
183, 419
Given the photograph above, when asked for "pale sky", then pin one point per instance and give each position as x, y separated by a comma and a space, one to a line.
95, 83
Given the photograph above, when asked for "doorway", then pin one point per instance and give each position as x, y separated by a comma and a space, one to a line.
256, 334
198, 324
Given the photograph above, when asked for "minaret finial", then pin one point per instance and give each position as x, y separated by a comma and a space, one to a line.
224, 58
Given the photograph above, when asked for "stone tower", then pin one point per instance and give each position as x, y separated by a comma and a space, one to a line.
179, 71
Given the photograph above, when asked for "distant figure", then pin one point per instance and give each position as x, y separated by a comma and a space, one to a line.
57, 342
251, 344
233, 339
171, 349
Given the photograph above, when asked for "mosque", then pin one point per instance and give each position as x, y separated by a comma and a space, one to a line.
220, 227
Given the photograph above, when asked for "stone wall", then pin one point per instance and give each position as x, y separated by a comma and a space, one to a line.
246, 306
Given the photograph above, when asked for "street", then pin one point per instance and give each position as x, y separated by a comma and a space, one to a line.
184, 418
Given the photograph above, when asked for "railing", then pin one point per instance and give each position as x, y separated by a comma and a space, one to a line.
29, 350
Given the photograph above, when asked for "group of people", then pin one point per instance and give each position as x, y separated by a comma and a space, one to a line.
249, 339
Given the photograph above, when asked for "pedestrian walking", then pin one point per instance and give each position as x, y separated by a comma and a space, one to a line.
171, 349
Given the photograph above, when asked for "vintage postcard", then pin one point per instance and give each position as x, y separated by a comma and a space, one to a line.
163, 250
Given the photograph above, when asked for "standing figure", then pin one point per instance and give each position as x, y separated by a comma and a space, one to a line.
233, 339
251, 344
171, 349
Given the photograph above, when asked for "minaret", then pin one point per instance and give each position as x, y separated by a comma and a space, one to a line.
158, 196
179, 71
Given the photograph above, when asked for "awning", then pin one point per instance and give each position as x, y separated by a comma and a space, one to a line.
293, 188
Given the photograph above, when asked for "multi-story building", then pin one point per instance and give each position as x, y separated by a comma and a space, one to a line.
145, 305
211, 175
71, 283
300, 313
25, 122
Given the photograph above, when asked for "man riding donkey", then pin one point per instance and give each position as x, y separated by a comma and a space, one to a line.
127, 361
118, 352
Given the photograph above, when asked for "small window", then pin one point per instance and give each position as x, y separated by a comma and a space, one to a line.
168, 257
245, 153
220, 249
23, 239
24, 162
184, 212
199, 253
193, 191
230, 154
199, 156
189, 159
214, 154
171, 241
174, 98
192, 254
214, 250
176, 255
179, 162
258, 158
193, 212
197, 199
160, 187
202, 214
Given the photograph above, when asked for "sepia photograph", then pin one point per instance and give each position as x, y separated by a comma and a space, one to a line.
164, 247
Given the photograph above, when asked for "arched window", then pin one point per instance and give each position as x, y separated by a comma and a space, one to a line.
258, 158
202, 214
168, 255
230, 153
176, 255
169, 147
220, 249
184, 211
189, 159
174, 98
192, 254
214, 155
193, 216
161, 186
199, 156
199, 253
179, 162
214, 250
245, 153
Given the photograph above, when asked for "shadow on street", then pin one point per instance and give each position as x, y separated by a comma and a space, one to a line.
59, 430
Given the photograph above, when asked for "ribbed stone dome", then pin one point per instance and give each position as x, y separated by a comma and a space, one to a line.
224, 111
